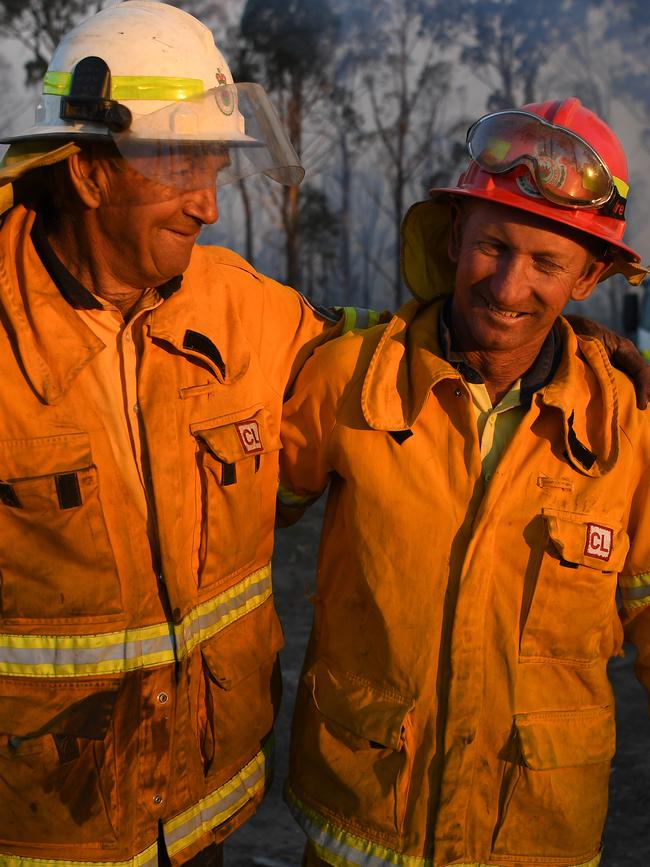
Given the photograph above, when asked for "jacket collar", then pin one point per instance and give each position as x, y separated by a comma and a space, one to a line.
584, 391
407, 363
52, 343
405, 366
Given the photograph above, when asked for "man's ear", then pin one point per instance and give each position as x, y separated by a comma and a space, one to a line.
586, 284
455, 231
86, 175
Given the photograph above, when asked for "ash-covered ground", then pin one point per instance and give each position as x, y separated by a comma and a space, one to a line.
272, 839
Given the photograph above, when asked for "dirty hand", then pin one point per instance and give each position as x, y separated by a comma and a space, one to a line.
622, 353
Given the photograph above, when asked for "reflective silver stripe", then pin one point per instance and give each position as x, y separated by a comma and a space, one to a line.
333, 842
211, 617
363, 317
58, 655
348, 849
148, 858
635, 592
130, 649
220, 805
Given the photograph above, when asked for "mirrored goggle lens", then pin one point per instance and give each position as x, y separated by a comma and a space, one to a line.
228, 133
566, 169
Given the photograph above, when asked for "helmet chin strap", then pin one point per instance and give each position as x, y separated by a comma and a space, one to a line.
90, 97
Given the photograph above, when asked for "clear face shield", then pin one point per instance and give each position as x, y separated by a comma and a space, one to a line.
227, 133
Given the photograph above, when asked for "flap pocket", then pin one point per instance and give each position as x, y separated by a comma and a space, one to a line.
366, 710
587, 540
244, 647
563, 739
44, 456
80, 709
239, 435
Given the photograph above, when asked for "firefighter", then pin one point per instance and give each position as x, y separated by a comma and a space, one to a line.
139, 431
143, 379
488, 480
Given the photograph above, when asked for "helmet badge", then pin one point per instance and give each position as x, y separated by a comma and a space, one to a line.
223, 95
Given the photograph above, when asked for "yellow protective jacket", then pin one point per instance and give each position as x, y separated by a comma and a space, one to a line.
134, 692
454, 706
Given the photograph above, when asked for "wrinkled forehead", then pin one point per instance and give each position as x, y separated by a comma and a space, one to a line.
479, 212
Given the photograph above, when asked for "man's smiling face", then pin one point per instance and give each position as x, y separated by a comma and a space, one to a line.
515, 274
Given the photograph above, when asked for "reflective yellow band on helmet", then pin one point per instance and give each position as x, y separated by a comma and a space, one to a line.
148, 858
217, 807
337, 846
621, 186
130, 649
132, 86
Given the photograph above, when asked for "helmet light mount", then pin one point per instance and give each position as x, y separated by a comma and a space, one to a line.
90, 100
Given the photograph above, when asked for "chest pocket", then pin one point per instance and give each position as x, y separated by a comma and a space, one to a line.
237, 465
573, 597
56, 561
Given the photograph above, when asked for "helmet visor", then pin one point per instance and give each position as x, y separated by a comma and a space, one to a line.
225, 134
566, 169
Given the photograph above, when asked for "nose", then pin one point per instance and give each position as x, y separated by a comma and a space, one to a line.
202, 205
509, 281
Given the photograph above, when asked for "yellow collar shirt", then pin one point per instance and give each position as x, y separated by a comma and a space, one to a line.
497, 424
115, 370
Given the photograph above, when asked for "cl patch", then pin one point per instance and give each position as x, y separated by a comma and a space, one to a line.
249, 436
599, 541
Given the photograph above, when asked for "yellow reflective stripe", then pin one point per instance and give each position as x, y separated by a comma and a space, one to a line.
148, 858
642, 579
621, 186
288, 498
357, 317
132, 86
212, 616
349, 315
130, 649
343, 849
635, 589
57, 83
213, 810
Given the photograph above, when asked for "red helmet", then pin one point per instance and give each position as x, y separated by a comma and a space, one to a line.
569, 167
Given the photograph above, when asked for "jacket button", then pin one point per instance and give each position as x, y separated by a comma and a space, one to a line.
162, 697
157, 799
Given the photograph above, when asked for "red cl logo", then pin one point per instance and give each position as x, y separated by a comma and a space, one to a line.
249, 436
599, 541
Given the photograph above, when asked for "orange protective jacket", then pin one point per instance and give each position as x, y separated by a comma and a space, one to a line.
132, 691
454, 706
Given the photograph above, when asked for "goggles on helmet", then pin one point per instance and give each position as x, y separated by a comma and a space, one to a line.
565, 168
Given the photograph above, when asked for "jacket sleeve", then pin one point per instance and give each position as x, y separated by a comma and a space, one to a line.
292, 328
308, 420
634, 581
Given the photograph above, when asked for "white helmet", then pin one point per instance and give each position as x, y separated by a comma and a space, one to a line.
148, 76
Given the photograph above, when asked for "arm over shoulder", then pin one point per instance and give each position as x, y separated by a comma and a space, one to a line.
309, 420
